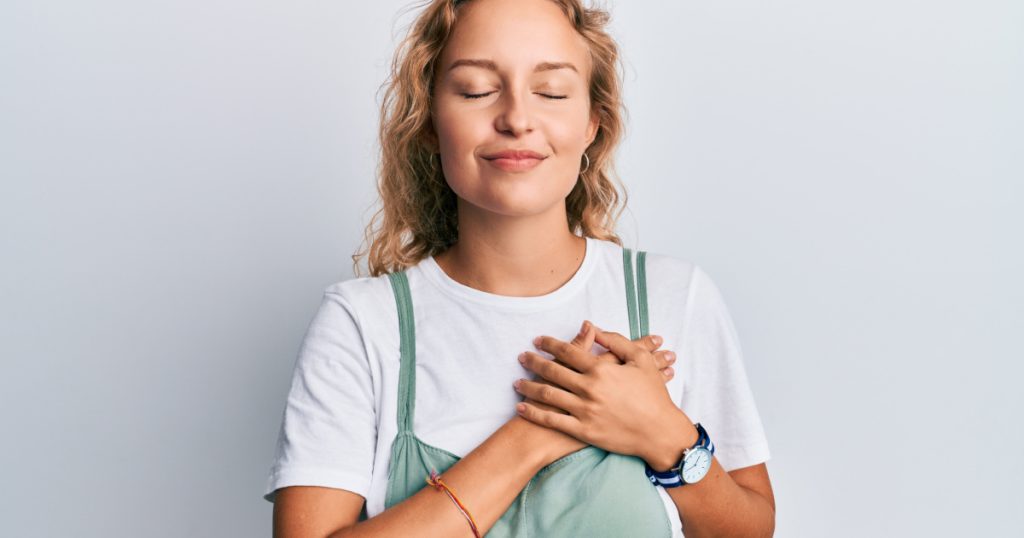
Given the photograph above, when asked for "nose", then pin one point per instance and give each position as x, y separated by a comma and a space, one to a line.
514, 115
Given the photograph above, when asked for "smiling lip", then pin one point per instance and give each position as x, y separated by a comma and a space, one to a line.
515, 154
515, 160
515, 165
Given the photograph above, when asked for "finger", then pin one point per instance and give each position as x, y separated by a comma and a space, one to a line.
585, 338
624, 348
649, 342
646, 341
663, 358
550, 395
608, 357
566, 352
545, 406
566, 424
553, 371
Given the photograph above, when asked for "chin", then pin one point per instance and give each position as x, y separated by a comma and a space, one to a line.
520, 206
518, 196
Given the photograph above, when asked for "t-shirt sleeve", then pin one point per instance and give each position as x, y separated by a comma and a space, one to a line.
716, 391
328, 430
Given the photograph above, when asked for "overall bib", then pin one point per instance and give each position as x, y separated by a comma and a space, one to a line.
590, 492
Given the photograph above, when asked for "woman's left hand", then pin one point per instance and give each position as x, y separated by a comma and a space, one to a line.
619, 407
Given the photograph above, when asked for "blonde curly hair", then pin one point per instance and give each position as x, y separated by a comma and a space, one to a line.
417, 217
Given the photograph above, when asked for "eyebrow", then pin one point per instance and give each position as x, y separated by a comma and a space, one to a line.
490, 65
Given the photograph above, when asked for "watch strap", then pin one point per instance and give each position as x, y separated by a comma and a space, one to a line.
673, 477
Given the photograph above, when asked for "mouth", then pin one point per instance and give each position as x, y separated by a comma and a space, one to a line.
515, 154
514, 164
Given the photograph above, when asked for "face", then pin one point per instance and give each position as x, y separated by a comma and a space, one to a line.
513, 76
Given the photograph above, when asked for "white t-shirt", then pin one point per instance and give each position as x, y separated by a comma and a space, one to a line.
341, 412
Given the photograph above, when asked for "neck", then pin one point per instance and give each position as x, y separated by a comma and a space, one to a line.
513, 256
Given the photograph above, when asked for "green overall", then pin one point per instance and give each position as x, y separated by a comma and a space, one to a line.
590, 492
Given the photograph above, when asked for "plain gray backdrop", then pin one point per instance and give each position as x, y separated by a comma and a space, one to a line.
179, 181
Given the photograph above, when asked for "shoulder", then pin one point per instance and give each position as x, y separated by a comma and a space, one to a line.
361, 289
354, 318
671, 274
685, 288
683, 273
362, 298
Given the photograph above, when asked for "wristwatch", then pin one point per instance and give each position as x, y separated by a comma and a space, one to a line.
695, 463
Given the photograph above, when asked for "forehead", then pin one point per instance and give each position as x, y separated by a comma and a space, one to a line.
514, 36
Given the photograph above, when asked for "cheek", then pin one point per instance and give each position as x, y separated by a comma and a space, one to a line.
569, 131
452, 135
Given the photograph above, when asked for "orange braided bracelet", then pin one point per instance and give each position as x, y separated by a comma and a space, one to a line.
435, 480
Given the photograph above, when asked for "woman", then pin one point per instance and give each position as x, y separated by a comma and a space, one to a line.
405, 417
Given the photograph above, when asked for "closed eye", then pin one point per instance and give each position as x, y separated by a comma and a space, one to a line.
479, 95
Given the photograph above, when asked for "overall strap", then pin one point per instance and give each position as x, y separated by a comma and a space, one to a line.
407, 333
638, 324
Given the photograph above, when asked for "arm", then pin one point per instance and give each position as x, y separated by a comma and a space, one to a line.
487, 480
738, 503
633, 417
721, 391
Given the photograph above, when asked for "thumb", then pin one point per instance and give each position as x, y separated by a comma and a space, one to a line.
585, 338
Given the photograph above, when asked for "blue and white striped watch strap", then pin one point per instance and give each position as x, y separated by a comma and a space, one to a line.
671, 477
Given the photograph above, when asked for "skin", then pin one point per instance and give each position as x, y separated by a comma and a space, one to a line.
487, 480
513, 228
620, 407
514, 240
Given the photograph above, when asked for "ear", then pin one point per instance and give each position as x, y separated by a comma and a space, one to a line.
592, 126
429, 138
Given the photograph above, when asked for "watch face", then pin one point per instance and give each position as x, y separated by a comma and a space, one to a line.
696, 464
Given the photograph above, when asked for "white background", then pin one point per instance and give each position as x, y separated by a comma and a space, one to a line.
180, 180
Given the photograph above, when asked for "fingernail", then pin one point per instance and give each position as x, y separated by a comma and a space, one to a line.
656, 339
670, 356
517, 383
536, 341
583, 328
522, 358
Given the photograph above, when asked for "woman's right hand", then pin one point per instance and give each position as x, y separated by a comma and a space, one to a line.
558, 444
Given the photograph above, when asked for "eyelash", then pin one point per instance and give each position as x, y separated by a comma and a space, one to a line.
479, 95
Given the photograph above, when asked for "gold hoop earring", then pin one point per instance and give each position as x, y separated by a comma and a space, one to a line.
587, 157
